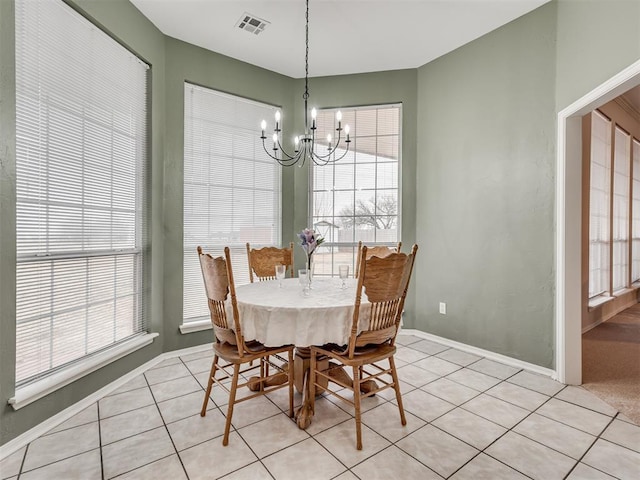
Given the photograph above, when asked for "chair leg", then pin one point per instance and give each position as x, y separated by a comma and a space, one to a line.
291, 381
212, 374
396, 387
232, 401
311, 385
356, 402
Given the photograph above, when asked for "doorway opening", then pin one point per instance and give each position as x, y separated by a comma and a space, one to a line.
568, 350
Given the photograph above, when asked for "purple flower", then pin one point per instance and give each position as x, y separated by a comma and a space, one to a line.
309, 240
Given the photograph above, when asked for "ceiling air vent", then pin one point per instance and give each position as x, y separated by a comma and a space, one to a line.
251, 23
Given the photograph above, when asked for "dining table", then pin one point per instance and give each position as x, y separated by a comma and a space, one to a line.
278, 313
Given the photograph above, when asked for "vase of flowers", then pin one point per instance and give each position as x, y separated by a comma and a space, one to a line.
309, 240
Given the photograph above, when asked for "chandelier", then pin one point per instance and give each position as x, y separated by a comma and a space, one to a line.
304, 145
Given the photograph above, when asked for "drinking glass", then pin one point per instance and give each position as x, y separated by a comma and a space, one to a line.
343, 271
304, 281
280, 271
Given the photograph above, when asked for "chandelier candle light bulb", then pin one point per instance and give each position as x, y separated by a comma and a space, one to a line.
305, 144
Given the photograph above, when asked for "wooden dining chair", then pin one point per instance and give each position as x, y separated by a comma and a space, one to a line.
375, 251
385, 281
234, 357
263, 261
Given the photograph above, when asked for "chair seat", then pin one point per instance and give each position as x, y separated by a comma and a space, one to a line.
362, 356
230, 353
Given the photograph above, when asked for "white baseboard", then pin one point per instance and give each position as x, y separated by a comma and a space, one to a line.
52, 422
514, 362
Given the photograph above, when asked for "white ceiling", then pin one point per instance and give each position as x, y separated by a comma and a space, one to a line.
345, 36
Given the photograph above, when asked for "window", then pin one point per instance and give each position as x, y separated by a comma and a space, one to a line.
358, 197
231, 187
614, 209
599, 205
81, 136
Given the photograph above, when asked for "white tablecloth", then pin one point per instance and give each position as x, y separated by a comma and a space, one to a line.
281, 316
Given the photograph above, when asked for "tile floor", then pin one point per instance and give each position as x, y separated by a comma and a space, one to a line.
467, 418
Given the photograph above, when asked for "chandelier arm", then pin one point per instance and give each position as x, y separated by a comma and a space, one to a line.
325, 159
289, 157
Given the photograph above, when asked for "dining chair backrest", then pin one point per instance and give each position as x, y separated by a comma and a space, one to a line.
217, 274
385, 281
375, 251
263, 261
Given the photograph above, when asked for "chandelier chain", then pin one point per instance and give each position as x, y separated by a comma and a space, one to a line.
305, 144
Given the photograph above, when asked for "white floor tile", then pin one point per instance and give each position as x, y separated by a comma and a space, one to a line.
531, 458
415, 376
539, 383
585, 472
10, 466
85, 466
424, 405
484, 467
255, 471
494, 369
341, 442
211, 459
163, 374
129, 423
625, 434
450, 391
613, 459
406, 339
183, 407
327, 414
584, 398
517, 395
168, 467
438, 450
458, 357
393, 463
61, 445
88, 415
496, 410
575, 416
472, 379
560, 437
195, 429
124, 402
137, 451
409, 355
175, 388
437, 365
385, 420
133, 384
470, 428
273, 434
428, 347
304, 460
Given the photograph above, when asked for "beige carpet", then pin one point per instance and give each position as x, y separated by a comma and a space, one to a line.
611, 362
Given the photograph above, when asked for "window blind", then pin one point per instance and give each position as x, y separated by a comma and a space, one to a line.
358, 197
231, 187
599, 205
635, 223
81, 136
621, 200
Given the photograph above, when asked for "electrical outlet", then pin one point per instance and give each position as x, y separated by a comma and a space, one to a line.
443, 308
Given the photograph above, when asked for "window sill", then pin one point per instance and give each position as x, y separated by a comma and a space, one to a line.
35, 391
197, 326
599, 301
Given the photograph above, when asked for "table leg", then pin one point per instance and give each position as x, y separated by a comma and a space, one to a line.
302, 362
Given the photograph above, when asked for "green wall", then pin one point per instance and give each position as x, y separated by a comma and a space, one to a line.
126, 23
596, 40
186, 62
485, 191
479, 127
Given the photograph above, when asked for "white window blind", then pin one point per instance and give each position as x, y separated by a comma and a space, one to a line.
81, 136
231, 187
635, 224
599, 205
358, 197
621, 200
